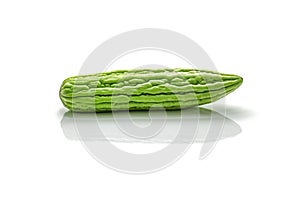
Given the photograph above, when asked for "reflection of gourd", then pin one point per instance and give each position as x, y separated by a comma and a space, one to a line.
142, 89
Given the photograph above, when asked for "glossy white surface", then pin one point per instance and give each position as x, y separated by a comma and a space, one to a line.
164, 126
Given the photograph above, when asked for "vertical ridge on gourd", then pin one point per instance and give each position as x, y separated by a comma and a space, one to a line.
142, 89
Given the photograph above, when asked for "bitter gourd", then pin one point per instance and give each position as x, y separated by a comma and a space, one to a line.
144, 89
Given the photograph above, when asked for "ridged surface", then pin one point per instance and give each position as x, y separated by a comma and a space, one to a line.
143, 89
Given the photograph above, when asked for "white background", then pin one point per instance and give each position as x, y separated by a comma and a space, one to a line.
41, 43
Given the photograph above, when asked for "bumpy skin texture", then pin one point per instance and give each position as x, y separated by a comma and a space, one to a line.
142, 89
